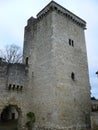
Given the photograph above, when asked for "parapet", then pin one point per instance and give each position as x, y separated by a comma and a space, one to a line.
6, 68
13, 76
31, 23
53, 6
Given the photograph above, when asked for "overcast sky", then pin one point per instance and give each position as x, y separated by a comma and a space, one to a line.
14, 15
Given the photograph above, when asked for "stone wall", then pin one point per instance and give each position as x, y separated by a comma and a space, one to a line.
73, 95
17, 75
13, 87
53, 80
94, 114
58, 52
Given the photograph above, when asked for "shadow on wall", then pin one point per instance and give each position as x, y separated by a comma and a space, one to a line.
10, 117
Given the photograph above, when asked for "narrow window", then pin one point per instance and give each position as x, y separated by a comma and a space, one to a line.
13, 86
17, 87
73, 76
21, 87
27, 60
9, 87
70, 42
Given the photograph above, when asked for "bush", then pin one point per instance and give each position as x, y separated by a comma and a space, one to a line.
31, 116
31, 120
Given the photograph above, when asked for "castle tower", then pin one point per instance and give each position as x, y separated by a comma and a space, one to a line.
55, 51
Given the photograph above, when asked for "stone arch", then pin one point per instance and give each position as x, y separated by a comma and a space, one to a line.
10, 117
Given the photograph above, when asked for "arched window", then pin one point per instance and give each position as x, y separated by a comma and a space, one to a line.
73, 76
27, 60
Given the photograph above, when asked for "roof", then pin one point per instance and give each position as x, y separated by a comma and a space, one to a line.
53, 6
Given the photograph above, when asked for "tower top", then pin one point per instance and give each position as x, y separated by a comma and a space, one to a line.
53, 6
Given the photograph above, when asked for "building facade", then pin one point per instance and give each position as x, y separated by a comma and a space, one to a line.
52, 82
94, 113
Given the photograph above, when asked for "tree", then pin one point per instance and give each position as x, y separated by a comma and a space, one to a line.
93, 98
11, 54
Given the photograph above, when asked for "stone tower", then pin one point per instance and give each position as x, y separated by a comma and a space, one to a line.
55, 52
52, 82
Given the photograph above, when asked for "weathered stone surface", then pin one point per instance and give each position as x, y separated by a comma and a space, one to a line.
58, 99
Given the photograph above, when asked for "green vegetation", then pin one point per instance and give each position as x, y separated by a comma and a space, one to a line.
31, 120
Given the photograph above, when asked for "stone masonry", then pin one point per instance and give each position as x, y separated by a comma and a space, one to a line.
52, 81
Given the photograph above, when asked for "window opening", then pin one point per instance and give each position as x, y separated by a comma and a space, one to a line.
13, 116
17, 87
13, 86
27, 60
73, 76
70, 42
9, 87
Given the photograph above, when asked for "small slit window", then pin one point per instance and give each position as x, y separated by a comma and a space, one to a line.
72, 76
17, 87
9, 87
13, 86
70, 42
21, 87
27, 59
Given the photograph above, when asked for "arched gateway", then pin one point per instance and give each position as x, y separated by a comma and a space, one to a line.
10, 117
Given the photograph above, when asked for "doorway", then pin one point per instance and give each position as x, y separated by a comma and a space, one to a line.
9, 118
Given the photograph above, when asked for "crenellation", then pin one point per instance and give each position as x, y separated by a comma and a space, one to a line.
52, 6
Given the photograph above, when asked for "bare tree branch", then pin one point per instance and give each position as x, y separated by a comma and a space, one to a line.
12, 54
